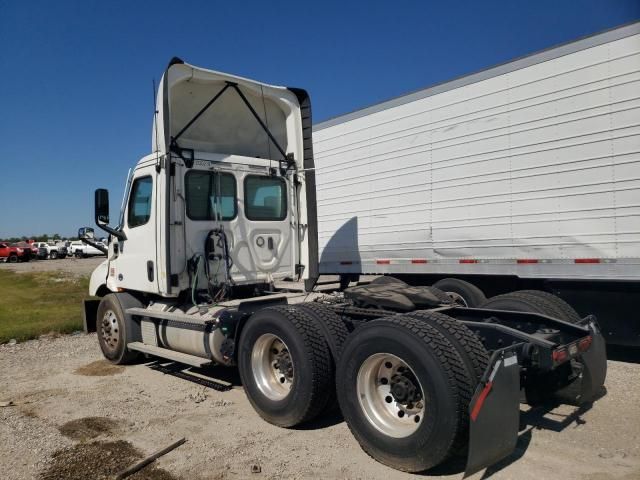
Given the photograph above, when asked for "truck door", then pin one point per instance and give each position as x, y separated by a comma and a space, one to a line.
135, 266
269, 219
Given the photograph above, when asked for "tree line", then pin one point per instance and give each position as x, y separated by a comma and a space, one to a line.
45, 237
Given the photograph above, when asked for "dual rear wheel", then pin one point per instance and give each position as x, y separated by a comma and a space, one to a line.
403, 383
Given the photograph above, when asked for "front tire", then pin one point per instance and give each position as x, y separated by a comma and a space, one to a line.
115, 329
285, 366
13, 258
53, 255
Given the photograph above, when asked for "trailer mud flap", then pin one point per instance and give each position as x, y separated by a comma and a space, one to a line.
594, 366
494, 412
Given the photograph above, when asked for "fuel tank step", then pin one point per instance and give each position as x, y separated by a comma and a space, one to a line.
174, 316
169, 354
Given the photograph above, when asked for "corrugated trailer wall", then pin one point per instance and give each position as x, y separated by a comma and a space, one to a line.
531, 168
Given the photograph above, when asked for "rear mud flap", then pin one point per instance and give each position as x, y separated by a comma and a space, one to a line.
494, 412
594, 366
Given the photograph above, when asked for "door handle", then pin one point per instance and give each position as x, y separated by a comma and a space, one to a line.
270, 243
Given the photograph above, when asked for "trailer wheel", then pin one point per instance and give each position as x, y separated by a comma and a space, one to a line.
285, 366
564, 311
115, 330
403, 391
440, 295
463, 293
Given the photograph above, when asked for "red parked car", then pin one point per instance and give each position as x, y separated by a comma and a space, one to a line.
28, 247
13, 254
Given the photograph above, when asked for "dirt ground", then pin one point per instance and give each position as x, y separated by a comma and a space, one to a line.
76, 266
76, 416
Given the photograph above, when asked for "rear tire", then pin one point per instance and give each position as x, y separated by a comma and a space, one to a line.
13, 258
521, 302
564, 310
473, 352
538, 388
419, 359
463, 293
337, 332
301, 365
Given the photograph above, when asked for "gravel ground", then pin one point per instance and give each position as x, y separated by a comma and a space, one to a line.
76, 266
76, 416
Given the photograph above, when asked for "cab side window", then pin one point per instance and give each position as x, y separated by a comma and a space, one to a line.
140, 202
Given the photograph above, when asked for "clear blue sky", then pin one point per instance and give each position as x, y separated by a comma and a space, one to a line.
76, 77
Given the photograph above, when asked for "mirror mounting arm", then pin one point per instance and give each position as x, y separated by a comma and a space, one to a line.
120, 235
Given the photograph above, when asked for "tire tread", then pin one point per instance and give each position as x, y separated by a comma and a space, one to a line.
566, 311
459, 380
319, 357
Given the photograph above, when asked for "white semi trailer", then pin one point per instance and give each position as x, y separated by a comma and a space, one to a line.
525, 175
214, 259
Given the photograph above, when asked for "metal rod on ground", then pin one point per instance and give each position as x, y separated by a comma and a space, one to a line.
147, 460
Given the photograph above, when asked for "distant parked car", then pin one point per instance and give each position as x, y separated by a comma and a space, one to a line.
31, 248
13, 254
46, 250
82, 250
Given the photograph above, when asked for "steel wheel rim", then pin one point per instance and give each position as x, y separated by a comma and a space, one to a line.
109, 330
272, 366
381, 399
457, 299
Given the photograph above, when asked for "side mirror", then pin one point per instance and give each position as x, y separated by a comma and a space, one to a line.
101, 214
86, 232
102, 207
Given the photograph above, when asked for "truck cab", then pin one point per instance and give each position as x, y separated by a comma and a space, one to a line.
222, 199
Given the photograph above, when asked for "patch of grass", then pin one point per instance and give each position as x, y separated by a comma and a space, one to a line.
32, 304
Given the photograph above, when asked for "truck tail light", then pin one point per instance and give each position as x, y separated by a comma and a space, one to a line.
585, 343
560, 355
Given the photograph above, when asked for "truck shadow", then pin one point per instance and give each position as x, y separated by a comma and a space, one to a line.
216, 377
543, 417
342, 246
223, 379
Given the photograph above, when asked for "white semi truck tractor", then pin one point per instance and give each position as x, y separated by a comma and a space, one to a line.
214, 261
